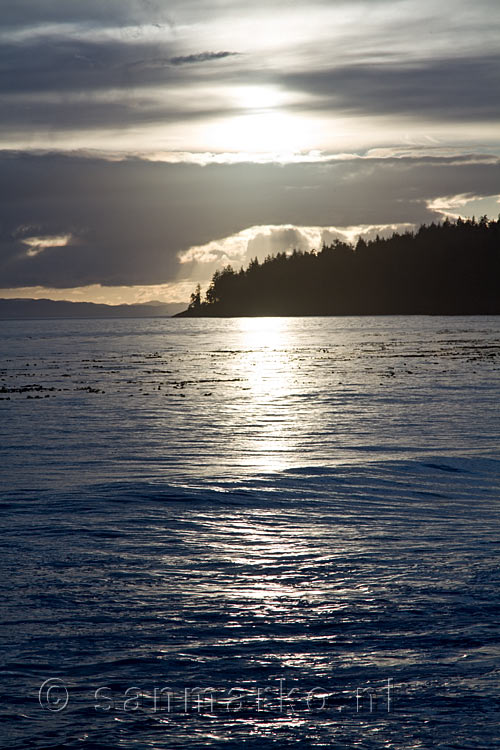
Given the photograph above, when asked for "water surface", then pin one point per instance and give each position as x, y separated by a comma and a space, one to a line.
253, 505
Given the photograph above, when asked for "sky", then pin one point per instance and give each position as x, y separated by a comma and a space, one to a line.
146, 143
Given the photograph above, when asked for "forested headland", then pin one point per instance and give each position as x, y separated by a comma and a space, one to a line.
450, 268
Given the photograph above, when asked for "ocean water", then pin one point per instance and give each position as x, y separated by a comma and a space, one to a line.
250, 533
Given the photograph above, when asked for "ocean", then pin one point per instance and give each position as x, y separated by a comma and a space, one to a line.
250, 533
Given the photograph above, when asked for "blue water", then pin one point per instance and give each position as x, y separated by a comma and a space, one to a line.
250, 507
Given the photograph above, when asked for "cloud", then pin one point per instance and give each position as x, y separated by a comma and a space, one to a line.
257, 241
33, 13
143, 68
465, 205
427, 88
56, 64
451, 88
201, 57
55, 84
37, 245
129, 220
261, 241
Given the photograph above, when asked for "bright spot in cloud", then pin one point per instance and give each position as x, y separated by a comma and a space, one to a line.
258, 97
465, 205
268, 131
37, 245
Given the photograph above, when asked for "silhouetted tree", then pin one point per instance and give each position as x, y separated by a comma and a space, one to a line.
195, 302
449, 268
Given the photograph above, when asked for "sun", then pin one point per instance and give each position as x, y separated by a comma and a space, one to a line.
262, 132
262, 123
258, 97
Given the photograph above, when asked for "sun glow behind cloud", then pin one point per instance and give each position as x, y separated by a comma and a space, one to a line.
259, 121
266, 131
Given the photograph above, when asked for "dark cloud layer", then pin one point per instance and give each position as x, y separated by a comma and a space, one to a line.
128, 220
22, 14
54, 84
54, 65
454, 88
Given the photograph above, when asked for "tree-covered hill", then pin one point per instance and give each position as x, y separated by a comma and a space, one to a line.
451, 268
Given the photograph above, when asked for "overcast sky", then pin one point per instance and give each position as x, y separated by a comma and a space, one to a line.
144, 143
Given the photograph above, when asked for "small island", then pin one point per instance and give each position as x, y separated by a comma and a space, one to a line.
449, 268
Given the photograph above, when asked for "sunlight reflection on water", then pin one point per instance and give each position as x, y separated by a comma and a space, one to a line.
265, 345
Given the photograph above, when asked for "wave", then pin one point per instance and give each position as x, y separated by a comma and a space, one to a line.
398, 481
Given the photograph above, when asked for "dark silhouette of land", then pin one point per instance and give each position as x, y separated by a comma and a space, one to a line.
452, 268
47, 308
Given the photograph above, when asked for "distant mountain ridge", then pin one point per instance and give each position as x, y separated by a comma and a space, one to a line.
47, 308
